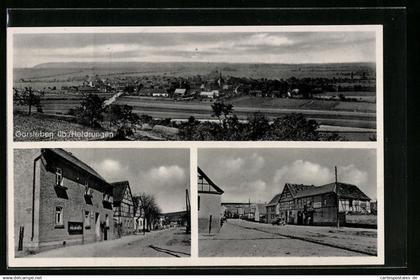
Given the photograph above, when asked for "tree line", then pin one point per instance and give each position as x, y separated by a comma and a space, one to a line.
121, 118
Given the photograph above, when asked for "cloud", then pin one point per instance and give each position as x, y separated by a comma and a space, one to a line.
257, 162
161, 179
166, 183
303, 172
350, 174
109, 168
253, 47
265, 39
255, 186
306, 172
256, 191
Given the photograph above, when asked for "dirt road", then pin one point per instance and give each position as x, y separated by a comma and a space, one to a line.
166, 243
247, 239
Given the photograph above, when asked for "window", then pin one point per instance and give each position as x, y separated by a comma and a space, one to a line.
198, 203
59, 223
59, 177
87, 219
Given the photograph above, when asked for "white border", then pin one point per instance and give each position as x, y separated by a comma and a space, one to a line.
193, 146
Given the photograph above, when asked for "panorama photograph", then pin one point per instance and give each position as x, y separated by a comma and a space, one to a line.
195, 84
101, 203
278, 202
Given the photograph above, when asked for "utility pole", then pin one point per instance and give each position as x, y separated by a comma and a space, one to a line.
336, 180
336, 195
188, 208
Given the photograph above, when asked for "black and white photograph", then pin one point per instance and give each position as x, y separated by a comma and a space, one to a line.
101, 203
256, 83
287, 202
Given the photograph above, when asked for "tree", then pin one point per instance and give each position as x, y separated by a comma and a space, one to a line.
150, 210
258, 126
294, 127
221, 109
123, 118
90, 110
28, 97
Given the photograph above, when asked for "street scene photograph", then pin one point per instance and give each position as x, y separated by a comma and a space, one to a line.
287, 202
101, 202
195, 84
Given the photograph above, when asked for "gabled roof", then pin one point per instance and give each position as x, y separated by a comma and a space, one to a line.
180, 90
119, 191
297, 188
274, 200
349, 191
75, 161
211, 183
343, 190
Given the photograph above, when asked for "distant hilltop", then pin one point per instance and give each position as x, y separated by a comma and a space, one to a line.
229, 66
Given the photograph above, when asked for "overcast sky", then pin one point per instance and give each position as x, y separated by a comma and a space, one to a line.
259, 174
162, 172
233, 47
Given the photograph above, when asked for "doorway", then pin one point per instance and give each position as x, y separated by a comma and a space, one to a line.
98, 226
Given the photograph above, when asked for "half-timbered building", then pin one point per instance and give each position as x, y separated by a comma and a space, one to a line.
323, 205
124, 209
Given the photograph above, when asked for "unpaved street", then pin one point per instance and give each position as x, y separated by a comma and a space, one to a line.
247, 239
166, 243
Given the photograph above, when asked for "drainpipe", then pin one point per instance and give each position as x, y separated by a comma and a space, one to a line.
33, 197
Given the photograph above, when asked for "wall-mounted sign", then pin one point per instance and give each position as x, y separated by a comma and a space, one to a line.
75, 228
317, 204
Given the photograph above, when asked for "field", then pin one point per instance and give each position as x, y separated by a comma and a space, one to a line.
309, 104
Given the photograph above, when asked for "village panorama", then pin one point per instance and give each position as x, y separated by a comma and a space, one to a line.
195, 86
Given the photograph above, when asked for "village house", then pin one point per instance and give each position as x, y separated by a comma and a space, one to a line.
58, 200
209, 94
180, 92
123, 209
209, 204
311, 205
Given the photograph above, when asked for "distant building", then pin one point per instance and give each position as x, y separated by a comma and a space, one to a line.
180, 91
123, 209
179, 218
160, 94
209, 204
209, 94
59, 200
324, 205
234, 209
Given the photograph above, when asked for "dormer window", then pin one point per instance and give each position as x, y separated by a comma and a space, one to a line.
88, 190
59, 177
107, 201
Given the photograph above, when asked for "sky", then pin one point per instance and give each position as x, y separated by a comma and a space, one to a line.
229, 47
259, 174
161, 172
